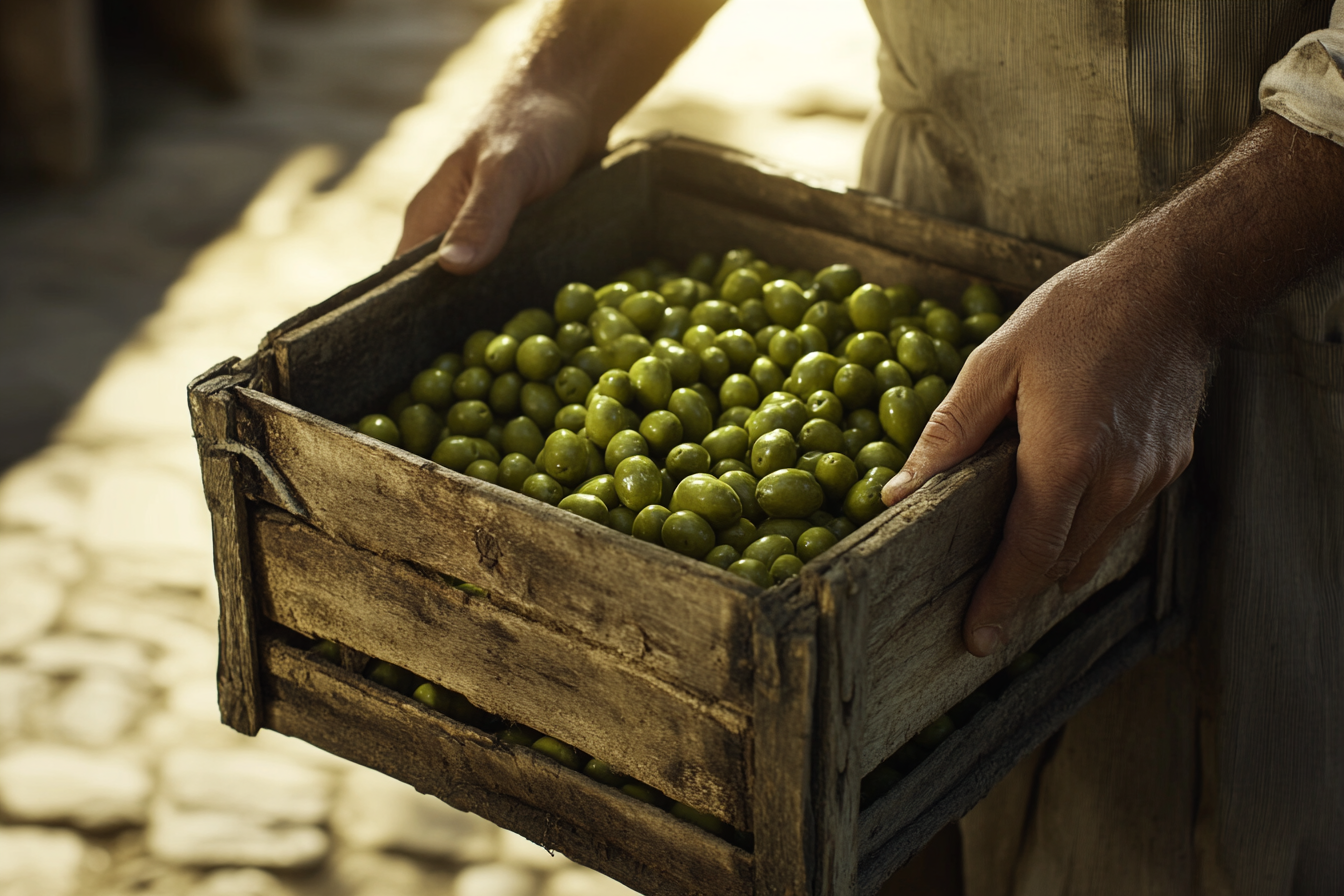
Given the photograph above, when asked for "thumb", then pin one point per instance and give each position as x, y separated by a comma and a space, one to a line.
978, 402
482, 224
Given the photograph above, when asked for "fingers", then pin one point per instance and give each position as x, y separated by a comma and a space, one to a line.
1092, 556
481, 225
979, 401
1036, 533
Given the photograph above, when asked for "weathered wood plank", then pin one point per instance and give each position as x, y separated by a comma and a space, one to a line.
357, 355
729, 176
838, 734
689, 224
520, 669
785, 680
878, 864
687, 622
213, 423
923, 667
632, 841
1121, 612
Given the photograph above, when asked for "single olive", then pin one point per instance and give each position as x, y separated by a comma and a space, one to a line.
779, 410
621, 518
815, 370
679, 292
722, 556
767, 549
753, 571
739, 389
687, 459
814, 542
523, 436
500, 353
469, 418
572, 385
738, 535
808, 461
829, 318
605, 417
587, 506
690, 408
418, 427
980, 298
789, 493
836, 474
765, 334
572, 338
726, 442
841, 527
538, 358
639, 483
774, 451
698, 338
602, 486
712, 499
602, 773
949, 359
682, 363
662, 430
879, 454
675, 323
473, 350
700, 819
651, 378
864, 501
514, 469
1019, 666
812, 338
869, 308
625, 443
729, 464
449, 362
505, 395
789, 528
937, 731
539, 402
473, 384
737, 415
838, 280
612, 294
785, 567
328, 650
714, 366
903, 417
979, 327
628, 349
821, 435
521, 735
649, 521
543, 487
745, 485
644, 793
889, 374
904, 299
785, 349
456, 453
433, 387
716, 315
943, 323
688, 533
916, 353
393, 677
574, 302
931, 391
702, 267
644, 309
561, 752
485, 470
530, 322
869, 349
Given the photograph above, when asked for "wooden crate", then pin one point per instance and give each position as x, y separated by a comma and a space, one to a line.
763, 707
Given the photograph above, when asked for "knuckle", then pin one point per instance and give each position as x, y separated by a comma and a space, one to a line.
948, 425
1037, 547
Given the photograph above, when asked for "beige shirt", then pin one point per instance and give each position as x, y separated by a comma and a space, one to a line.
1218, 769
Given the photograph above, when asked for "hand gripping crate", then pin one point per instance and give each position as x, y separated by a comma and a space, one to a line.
765, 708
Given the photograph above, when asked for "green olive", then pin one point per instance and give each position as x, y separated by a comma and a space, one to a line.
644, 309
753, 571
889, 374
679, 292
766, 375
530, 322
514, 469
808, 461
616, 384
836, 474
566, 457
879, 454
864, 501
621, 518
937, 731
612, 294
683, 364
716, 315
602, 486
980, 298
651, 378
738, 535
979, 327
745, 485
812, 338
505, 395
538, 358
433, 387
785, 567
714, 365
380, 427
739, 389
625, 443
904, 298
587, 506
522, 435
605, 418
949, 359
869, 308
418, 427
726, 442
815, 542
829, 318
644, 793
902, 414
732, 260
866, 421
400, 402
543, 488
943, 323
815, 370
785, 348
776, 450
688, 533
740, 285
469, 418
561, 752
869, 349
609, 324
628, 349
521, 735
393, 677
592, 361
572, 337
648, 525
767, 549
855, 386
712, 499
485, 470
838, 280
765, 334
821, 435
931, 391
737, 415
639, 483
500, 353
789, 493
662, 430
690, 408
574, 302
473, 384
779, 410
449, 362
917, 354
456, 453
602, 773
698, 338
722, 556
539, 402
675, 323
841, 527
729, 464
572, 385
473, 350
825, 405
687, 459
789, 528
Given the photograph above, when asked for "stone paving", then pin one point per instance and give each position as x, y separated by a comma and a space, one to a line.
116, 776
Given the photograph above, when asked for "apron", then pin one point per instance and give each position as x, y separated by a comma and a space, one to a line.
1218, 768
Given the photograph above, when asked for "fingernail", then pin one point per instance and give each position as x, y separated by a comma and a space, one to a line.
894, 486
986, 639
456, 253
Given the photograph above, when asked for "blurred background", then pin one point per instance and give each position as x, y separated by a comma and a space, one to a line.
176, 177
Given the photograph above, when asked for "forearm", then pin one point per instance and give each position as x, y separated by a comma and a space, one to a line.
1266, 214
603, 55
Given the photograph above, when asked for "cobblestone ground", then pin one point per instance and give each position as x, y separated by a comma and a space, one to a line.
116, 776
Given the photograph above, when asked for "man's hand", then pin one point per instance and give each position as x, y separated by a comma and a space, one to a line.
1103, 367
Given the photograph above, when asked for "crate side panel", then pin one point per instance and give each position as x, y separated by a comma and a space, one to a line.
348, 362
738, 179
922, 666
688, 224
637, 844
687, 622
517, 668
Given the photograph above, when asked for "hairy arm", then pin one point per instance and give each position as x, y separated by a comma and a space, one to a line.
1103, 367
586, 64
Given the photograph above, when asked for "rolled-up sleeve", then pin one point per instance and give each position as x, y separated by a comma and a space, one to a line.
1307, 86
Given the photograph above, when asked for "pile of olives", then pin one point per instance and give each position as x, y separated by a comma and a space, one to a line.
456, 706
736, 412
